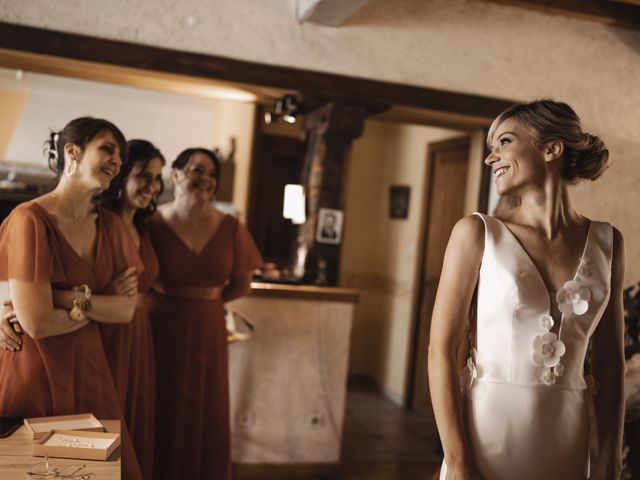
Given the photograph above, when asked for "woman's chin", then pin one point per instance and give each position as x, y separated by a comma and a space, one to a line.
141, 204
504, 190
204, 196
100, 184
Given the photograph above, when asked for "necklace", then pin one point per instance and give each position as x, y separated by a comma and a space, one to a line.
68, 211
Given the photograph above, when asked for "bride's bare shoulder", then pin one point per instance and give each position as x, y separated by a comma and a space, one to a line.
471, 226
468, 232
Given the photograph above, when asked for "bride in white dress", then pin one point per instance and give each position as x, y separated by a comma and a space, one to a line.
548, 281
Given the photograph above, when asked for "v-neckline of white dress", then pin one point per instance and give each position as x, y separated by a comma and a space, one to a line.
535, 268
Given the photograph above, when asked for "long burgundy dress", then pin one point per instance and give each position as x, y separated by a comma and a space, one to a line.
62, 374
187, 320
129, 350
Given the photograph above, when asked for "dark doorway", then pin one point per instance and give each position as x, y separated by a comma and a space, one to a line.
277, 161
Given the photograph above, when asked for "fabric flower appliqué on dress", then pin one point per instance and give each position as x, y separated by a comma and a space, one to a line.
546, 322
473, 389
573, 298
584, 270
547, 350
472, 372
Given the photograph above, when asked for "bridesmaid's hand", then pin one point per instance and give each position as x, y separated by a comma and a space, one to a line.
125, 283
10, 329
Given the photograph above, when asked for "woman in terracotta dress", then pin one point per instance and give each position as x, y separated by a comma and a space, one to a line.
206, 259
48, 247
129, 347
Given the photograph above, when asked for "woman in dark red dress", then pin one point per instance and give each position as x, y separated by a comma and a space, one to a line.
206, 259
129, 347
48, 248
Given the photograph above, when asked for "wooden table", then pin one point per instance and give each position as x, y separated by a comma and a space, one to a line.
16, 458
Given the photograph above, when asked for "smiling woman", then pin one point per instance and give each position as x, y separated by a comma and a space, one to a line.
59, 253
206, 259
129, 348
548, 282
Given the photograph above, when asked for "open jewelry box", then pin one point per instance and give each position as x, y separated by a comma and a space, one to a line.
77, 444
41, 426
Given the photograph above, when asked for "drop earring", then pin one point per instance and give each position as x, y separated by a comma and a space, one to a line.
71, 169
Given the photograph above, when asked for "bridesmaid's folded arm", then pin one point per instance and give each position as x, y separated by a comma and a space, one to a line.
104, 308
34, 308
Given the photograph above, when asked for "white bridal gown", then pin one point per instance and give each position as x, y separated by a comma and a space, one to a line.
527, 404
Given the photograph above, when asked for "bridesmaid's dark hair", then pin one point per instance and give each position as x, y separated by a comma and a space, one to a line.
183, 158
141, 152
80, 131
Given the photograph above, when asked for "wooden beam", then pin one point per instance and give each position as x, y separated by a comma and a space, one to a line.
160, 81
617, 13
91, 49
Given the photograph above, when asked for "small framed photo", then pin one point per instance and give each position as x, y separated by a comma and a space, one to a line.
329, 226
399, 201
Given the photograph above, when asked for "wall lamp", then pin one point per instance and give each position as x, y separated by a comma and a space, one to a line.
293, 205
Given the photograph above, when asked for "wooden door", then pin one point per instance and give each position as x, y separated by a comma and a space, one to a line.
444, 197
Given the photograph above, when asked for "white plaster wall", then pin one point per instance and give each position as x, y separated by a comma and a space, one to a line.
236, 119
172, 122
169, 121
462, 45
379, 254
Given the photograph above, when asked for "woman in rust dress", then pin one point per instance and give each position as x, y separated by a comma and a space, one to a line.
48, 246
206, 259
129, 347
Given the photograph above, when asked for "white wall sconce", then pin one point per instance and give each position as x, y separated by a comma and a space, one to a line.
293, 206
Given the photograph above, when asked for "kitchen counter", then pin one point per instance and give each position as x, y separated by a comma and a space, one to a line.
303, 292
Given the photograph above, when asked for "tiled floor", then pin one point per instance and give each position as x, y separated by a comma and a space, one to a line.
384, 442
380, 441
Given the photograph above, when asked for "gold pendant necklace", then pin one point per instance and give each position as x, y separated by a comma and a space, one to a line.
68, 211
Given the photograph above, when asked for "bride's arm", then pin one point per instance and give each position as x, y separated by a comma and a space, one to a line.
455, 291
607, 366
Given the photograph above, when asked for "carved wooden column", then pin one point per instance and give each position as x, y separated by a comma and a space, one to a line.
330, 131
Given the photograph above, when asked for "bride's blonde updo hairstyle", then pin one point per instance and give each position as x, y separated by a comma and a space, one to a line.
585, 156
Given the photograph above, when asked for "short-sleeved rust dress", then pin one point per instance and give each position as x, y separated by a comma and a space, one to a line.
129, 350
62, 374
187, 320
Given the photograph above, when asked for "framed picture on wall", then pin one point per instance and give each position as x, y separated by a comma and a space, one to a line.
399, 201
329, 226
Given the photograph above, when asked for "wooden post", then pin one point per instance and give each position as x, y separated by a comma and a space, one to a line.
330, 130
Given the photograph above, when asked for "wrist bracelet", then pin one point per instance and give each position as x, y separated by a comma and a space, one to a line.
81, 303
